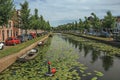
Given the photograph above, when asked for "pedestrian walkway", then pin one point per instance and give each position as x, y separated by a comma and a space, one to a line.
10, 59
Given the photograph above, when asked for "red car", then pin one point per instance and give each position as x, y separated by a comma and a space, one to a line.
12, 41
33, 35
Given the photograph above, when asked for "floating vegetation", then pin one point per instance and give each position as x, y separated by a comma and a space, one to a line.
110, 50
63, 58
98, 73
94, 78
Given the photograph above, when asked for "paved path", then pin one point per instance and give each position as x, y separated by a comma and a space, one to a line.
10, 59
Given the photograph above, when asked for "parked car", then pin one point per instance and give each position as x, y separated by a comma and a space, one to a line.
44, 33
12, 41
33, 35
30, 37
22, 38
1, 45
39, 34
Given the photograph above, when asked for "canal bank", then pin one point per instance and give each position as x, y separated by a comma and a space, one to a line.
6, 61
95, 59
72, 59
108, 42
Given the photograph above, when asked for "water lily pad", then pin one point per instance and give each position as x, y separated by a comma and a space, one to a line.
94, 78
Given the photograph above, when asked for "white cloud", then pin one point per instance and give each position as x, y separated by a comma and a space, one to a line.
59, 11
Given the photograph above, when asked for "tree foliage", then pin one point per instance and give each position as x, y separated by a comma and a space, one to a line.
109, 21
25, 16
95, 22
15, 18
34, 20
6, 7
90, 22
38, 22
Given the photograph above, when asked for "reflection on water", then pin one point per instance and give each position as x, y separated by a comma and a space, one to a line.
95, 55
107, 62
97, 59
89, 56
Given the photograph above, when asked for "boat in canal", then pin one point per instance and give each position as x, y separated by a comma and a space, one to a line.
51, 35
41, 43
28, 56
74, 56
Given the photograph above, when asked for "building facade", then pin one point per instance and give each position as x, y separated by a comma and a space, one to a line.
118, 24
8, 31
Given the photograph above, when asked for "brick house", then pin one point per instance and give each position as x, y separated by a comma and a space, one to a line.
8, 31
118, 23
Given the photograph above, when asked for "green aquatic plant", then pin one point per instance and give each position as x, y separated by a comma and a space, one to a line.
98, 73
94, 78
110, 50
62, 56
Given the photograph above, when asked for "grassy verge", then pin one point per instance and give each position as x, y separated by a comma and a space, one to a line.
17, 48
98, 46
99, 38
93, 37
108, 41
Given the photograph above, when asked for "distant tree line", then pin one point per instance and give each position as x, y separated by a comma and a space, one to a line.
93, 22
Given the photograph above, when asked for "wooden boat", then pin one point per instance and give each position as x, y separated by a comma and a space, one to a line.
31, 55
41, 43
50, 35
34, 50
28, 56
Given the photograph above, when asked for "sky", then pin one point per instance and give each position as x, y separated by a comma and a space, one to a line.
59, 12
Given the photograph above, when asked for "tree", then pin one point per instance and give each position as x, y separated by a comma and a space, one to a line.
15, 18
109, 21
6, 7
25, 16
35, 21
36, 14
76, 25
41, 22
81, 25
87, 23
47, 25
95, 21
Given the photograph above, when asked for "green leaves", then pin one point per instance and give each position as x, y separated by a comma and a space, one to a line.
25, 16
109, 21
6, 7
94, 78
62, 56
110, 50
99, 74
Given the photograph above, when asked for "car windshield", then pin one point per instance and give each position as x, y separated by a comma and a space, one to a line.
19, 36
9, 38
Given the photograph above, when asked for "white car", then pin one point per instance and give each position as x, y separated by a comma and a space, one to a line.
1, 45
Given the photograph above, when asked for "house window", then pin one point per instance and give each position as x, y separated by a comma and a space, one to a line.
7, 33
11, 33
9, 25
1, 27
3, 35
0, 32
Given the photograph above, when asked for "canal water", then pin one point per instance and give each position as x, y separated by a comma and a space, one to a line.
72, 59
96, 60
